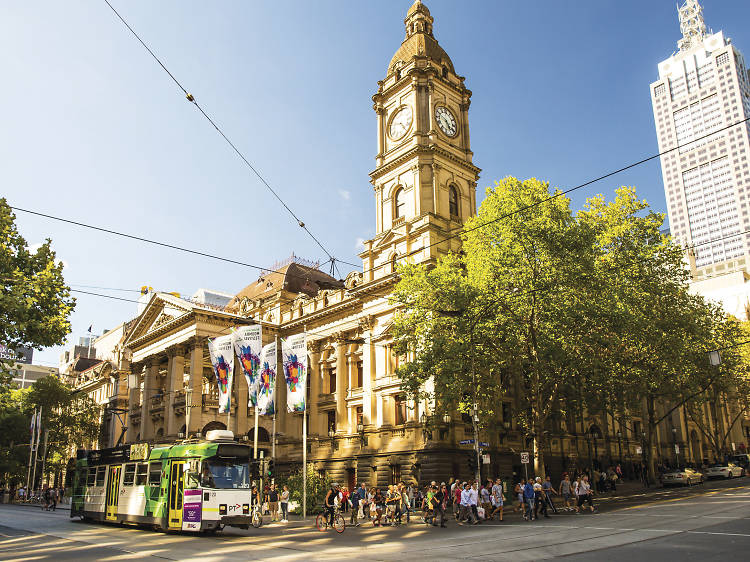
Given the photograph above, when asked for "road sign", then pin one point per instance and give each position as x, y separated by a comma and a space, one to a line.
485, 459
524, 458
483, 444
466, 442
638, 451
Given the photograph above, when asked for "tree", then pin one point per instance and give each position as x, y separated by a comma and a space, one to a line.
317, 487
70, 418
14, 437
35, 303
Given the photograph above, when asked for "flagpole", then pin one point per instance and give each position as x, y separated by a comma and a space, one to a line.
275, 391
36, 449
44, 454
304, 434
31, 450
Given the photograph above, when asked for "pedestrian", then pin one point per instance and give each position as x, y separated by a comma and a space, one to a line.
272, 498
438, 506
53, 498
285, 504
379, 502
528, 498
45, 498
21, 494
585, 494
497, 499
456, 495
474, 499
354, 502
565, 491
466, 511
486, 501
548, 490
518, 490
539, 501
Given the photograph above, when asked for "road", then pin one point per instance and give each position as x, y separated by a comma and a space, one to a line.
702, 523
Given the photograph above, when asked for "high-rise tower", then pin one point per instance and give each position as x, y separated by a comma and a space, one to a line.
703, 88
425, 181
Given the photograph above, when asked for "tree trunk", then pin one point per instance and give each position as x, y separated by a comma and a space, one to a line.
651, 435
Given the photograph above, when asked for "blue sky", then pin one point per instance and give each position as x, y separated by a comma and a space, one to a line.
93, 130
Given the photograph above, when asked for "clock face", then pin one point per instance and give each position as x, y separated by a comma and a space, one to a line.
400, 123
446, 121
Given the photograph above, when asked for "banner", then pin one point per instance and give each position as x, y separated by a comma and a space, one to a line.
222, 360
267, 380
33, 424
294, 357
248, 346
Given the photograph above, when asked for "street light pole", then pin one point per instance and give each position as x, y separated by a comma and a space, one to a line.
674, 443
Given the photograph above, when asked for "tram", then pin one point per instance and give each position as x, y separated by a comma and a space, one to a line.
194, 485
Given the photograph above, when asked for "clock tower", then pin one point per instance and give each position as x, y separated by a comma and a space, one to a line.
425, 181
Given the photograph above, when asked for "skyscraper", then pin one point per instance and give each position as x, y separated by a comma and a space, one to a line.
703, 88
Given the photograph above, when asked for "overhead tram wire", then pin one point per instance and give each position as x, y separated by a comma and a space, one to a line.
158, 243
237, 151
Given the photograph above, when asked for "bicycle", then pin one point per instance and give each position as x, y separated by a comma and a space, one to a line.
256, 519
321, 521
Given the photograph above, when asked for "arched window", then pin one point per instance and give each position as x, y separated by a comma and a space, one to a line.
394, 259
453, 201
399, 203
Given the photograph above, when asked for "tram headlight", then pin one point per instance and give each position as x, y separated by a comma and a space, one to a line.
222, 509
245, 509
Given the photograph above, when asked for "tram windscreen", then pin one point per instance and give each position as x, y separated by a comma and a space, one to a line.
225, 473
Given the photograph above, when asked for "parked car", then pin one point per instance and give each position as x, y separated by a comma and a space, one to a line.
724, 470
683, 477
741, 459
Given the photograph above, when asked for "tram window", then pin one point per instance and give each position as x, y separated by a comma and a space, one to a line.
141, 473
154, 474
129, 475
91, 479
101, 473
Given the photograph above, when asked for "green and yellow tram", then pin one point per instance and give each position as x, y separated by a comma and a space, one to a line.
195, 485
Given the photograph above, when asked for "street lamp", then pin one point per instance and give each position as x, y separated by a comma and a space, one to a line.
426, 433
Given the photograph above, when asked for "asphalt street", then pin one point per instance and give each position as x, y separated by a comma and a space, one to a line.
710, 522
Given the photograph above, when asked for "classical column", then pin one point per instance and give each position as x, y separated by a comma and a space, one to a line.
195, 386
175, 375
368, 371
341, 380
134, 400
149, 390
315, 422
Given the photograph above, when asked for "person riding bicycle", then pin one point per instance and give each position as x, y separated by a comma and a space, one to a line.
329, 502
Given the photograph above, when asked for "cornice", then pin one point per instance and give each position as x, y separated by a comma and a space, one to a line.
432, 149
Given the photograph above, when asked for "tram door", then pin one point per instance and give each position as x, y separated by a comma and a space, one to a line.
113, 492
176, 482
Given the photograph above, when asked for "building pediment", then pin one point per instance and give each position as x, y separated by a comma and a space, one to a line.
160, 311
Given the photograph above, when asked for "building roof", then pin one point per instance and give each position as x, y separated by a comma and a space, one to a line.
293, 277
420, 40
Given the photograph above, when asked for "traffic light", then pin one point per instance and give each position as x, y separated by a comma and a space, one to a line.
472, 463
269, 467
255, 469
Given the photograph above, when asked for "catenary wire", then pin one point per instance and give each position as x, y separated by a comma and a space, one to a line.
239, 153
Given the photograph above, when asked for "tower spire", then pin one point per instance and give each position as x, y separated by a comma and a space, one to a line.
418, 19
692, 26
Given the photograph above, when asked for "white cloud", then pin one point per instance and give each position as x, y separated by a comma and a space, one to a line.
66, 265
360, 244
345, 195
34, 247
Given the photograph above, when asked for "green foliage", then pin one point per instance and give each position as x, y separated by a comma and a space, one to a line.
582, 312
34, 302
317, 487
14, 437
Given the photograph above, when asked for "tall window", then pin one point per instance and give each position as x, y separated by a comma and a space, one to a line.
395, 473
453, 201
358, 375
400, 405
331, 420
399, 205
331, 380
358, 416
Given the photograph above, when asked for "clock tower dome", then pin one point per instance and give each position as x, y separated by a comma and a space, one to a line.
425, 181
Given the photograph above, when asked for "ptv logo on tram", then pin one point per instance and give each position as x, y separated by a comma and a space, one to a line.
235, 507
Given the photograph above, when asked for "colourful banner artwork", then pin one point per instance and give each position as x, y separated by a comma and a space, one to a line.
294, 352
222, 359
267, 380
248, 344
192, 510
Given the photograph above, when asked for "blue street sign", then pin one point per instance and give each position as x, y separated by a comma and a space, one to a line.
466, 442
483, 444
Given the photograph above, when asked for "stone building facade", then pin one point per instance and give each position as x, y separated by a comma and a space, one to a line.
361, 426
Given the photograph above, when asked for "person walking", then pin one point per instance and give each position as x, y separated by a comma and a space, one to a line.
466, 511
539, 502
528, 498
438, 506
497, 499
548, 491
474, 502
354, 501
518, 490
565, 491
585, 494
285, 504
